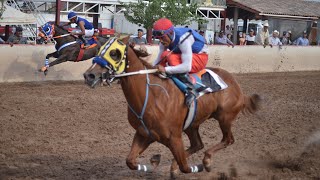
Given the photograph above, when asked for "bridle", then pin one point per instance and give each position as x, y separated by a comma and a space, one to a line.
49, 34
112, 73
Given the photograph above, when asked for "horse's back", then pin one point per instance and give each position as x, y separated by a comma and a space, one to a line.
229, 99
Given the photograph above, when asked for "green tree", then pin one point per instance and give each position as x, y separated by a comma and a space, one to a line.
147, 13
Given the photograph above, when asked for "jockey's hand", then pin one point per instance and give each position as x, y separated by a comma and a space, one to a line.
132, 44
73, 33
161, 69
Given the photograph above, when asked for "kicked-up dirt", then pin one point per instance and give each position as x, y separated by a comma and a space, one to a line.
65, 130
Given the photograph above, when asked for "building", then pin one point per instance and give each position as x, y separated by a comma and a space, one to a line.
282, 15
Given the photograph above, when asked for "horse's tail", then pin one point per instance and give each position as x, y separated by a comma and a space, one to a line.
251, 104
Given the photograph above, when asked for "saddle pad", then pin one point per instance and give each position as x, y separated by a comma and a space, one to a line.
211, 82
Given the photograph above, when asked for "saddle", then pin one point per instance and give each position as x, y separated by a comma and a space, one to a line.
205, 81
92, 43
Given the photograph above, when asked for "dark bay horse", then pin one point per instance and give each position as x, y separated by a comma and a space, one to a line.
156, 108
67, 47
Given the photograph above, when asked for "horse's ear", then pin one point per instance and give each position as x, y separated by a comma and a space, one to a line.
125, 40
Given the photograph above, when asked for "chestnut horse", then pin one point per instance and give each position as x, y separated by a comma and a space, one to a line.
67, 46
156, 109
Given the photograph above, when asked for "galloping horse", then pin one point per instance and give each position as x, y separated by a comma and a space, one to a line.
68, 49
156, 108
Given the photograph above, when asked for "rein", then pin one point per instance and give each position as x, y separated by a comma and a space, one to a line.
60, 36
140, 117
147, 71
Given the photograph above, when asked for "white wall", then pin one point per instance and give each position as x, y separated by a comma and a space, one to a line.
21, 62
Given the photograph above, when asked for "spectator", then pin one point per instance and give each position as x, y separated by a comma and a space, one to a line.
222, 39
250, 38
139, 39
303, 41
229, 36
228, 30
290, 37
17, 38
201, 32
263, 36
285, 38
242, 39
2, 41
274, 40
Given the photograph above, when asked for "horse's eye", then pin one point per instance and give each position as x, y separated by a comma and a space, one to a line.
115, 54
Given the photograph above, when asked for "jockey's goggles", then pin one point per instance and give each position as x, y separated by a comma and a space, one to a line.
159, 33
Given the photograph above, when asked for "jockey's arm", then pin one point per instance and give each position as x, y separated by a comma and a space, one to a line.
186, 57
82, 32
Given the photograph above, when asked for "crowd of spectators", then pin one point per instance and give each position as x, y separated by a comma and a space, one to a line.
15, 38
264, 37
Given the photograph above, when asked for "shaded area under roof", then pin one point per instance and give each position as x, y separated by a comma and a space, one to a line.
305, 8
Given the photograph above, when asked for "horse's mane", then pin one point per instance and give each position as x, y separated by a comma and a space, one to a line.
61, 28
143, 55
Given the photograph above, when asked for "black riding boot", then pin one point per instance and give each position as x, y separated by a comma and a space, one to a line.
85, 42
191, 93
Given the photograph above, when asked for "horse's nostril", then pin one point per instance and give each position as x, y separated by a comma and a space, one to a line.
91, 76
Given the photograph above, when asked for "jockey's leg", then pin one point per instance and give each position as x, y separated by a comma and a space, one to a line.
191, 93
84, 40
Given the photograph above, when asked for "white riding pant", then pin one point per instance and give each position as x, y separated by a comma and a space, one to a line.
88, 32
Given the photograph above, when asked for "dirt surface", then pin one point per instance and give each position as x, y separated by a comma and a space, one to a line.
64, 130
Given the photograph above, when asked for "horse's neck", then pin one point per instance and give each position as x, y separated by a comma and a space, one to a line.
62, 40
135, 63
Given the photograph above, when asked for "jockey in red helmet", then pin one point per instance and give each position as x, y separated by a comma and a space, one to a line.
86, 28
188, 52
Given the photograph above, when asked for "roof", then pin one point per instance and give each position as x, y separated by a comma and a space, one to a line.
11, 16
306, 8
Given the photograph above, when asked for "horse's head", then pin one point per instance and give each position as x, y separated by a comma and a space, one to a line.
50, 30
111, 60
47, 30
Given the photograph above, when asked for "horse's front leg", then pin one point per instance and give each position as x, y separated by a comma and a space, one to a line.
46, 61
139, 144
180, 155
196, 145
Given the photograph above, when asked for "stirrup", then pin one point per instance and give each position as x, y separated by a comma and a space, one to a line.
191, 95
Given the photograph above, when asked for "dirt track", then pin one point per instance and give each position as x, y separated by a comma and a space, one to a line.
64, 130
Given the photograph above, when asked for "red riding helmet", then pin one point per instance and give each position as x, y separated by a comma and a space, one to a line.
162, 27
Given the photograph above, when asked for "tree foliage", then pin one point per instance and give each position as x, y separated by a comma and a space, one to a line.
147, 13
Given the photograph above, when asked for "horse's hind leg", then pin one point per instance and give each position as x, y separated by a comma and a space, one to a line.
139, 144
225, 122
195, 145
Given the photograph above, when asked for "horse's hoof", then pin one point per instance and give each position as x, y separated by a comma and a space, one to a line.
200, 167
207, 164
174, 174
45, 72
43, 69
155, 160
